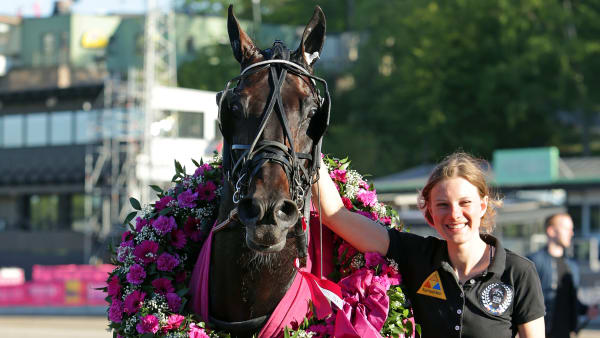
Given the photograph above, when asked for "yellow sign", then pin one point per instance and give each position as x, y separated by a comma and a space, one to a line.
94, 39
432, 286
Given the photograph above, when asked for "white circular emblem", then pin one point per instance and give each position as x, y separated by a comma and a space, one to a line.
496, 298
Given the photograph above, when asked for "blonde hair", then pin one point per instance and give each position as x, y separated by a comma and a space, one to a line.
460, 164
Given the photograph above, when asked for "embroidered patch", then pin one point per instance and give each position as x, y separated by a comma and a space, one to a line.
496, 298
432, 286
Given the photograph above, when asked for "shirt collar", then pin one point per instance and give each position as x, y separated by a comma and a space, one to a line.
441, 258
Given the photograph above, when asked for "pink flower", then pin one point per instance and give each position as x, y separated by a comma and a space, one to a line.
338, 175
163, 202
202, 169
347, 203
174, 301
206, 192
140, 223
163, 286
164, 224
127, 235
370, 215
346, 252
148, 324
114, 287
166, 262
192, 229
373, 259
115, 311
187, 199
366, 197
178, 239
392, 273
174, 322
146, 251
133, 301
197, 332
136, 274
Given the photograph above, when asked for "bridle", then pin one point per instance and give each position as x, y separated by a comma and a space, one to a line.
241, 162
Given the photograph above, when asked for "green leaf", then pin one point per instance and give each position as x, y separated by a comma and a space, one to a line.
178, 168
135, 203
165, 211
195, 163
156, 188
147, 335
182, 292
129, 217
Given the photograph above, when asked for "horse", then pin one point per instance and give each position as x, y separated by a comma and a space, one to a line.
272, 123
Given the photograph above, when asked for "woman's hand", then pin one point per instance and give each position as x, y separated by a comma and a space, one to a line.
361, 232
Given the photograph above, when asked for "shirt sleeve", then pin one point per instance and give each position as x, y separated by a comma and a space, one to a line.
529, 299
405, 248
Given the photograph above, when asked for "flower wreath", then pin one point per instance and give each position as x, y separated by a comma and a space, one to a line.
148, 289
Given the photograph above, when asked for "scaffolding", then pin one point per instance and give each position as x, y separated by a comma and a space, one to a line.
121, 134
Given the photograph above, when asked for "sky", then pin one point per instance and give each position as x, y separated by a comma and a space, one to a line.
43, 8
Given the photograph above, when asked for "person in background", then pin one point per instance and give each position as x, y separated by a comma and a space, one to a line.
465, 284
560, 279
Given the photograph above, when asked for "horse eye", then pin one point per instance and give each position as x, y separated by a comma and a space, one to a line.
312, 112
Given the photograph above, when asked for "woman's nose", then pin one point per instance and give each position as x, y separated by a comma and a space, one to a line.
456, 212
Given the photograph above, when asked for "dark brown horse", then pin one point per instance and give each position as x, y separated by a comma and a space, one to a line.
272, 122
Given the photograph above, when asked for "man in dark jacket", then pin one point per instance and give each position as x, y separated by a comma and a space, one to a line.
560, 279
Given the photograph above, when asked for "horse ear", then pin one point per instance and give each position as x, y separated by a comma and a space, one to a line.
243, 47
313, 38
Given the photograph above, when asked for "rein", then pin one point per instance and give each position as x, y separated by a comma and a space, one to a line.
241, 169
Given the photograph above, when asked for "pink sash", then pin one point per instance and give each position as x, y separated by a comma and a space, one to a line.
292, 309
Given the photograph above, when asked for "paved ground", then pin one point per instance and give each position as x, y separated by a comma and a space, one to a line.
53, 327
95, 327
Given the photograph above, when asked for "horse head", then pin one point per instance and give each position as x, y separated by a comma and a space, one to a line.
272, 122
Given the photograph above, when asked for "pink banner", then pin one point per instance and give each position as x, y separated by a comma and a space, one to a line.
90, 273
59, 285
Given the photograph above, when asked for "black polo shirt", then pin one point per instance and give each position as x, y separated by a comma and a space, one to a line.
489, 305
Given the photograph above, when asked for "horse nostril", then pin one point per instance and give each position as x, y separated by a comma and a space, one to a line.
249, 210
286, 213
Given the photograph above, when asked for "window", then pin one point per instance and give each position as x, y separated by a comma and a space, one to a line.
48, 44
190, 45
37, 129
575, 212
61, 128
190, 125
84, 127
78, 213
44, 212
595, 218
12, 132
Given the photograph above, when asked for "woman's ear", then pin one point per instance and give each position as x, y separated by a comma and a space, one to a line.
484, 205
428, 217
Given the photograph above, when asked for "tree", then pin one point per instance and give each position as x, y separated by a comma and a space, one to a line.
437, 76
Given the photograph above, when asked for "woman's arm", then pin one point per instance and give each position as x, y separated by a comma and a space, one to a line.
533, 329
362, 233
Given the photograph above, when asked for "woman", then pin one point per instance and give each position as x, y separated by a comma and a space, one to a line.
466, 285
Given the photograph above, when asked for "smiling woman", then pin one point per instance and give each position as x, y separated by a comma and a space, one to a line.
475, 285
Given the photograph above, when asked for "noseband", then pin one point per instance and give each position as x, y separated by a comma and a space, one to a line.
241, 169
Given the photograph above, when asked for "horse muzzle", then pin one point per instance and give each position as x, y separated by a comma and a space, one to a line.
267, 224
